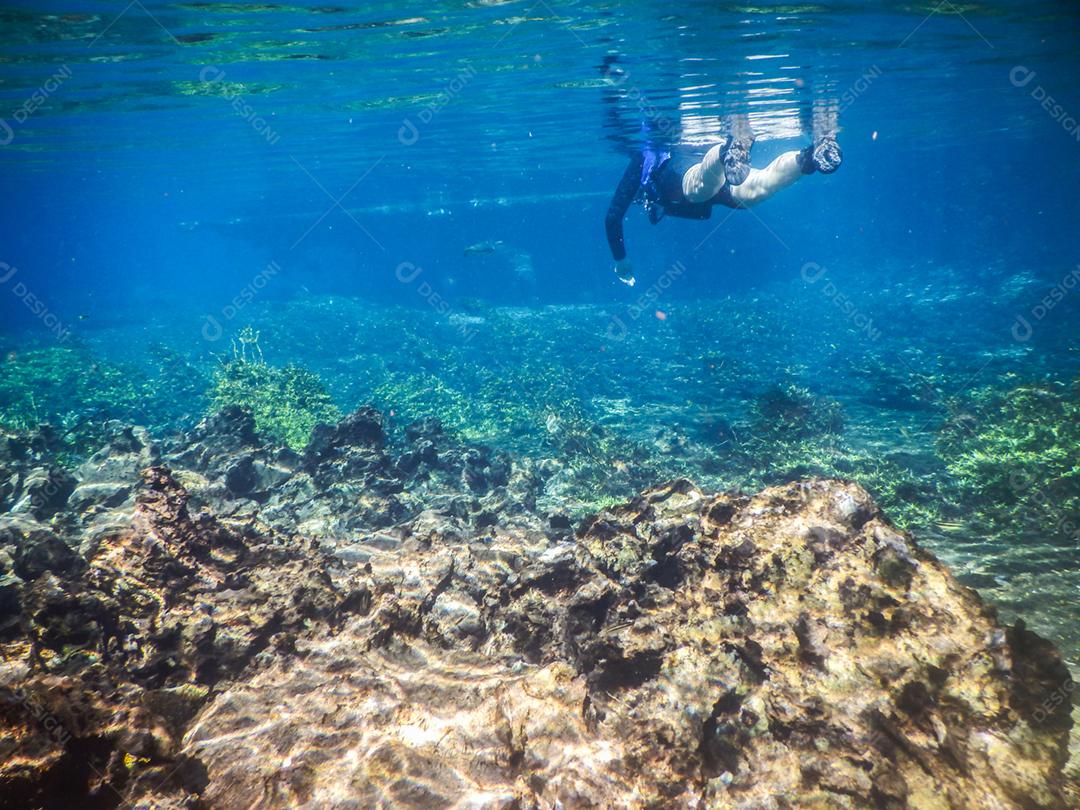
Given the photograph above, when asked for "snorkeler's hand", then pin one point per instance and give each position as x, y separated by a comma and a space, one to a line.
625, 271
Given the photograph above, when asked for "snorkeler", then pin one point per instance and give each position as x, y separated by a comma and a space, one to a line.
670, 185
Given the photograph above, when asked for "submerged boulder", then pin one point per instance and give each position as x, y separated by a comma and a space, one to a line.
116, 657
110, 476
360, 630
687, 651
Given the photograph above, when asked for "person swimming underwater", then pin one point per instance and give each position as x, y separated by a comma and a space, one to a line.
667, 184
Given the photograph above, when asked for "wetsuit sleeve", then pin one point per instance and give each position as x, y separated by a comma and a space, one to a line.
620, 204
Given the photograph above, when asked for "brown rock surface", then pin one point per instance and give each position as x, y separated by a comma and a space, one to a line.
438, 644
113, 663
786, 650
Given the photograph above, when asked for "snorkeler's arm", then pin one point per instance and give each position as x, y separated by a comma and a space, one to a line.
620, 204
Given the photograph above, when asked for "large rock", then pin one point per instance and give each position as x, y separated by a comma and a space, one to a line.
44, 492
34, 548
376, 626
786, 650
115, 661
108, 478
31, 482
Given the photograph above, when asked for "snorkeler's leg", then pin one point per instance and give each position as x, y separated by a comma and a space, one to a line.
728, 162
824, 157
703, 180
737, 151
763, 183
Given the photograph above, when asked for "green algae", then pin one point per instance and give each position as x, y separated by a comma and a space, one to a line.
285, 402
1014, 459
788, 412
78, 393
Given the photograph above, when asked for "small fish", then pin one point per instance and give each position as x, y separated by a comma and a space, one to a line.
83, 317
950, 526
483, 247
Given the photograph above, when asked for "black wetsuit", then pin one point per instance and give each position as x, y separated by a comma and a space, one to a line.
659, 189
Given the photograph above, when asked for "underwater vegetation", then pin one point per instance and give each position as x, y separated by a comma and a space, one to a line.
790, 432
1014, 458
285, 402
178, 380
793, 433
786, 412
484, 414
588, 465
1005, 461
591, 466
504, 405
77, 393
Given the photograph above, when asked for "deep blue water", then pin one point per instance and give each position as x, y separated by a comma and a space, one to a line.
173, 172
137, 183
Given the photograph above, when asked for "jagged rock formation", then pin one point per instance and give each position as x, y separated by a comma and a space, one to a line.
220, 624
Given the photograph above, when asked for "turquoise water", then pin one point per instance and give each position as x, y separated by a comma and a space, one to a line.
408, 201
